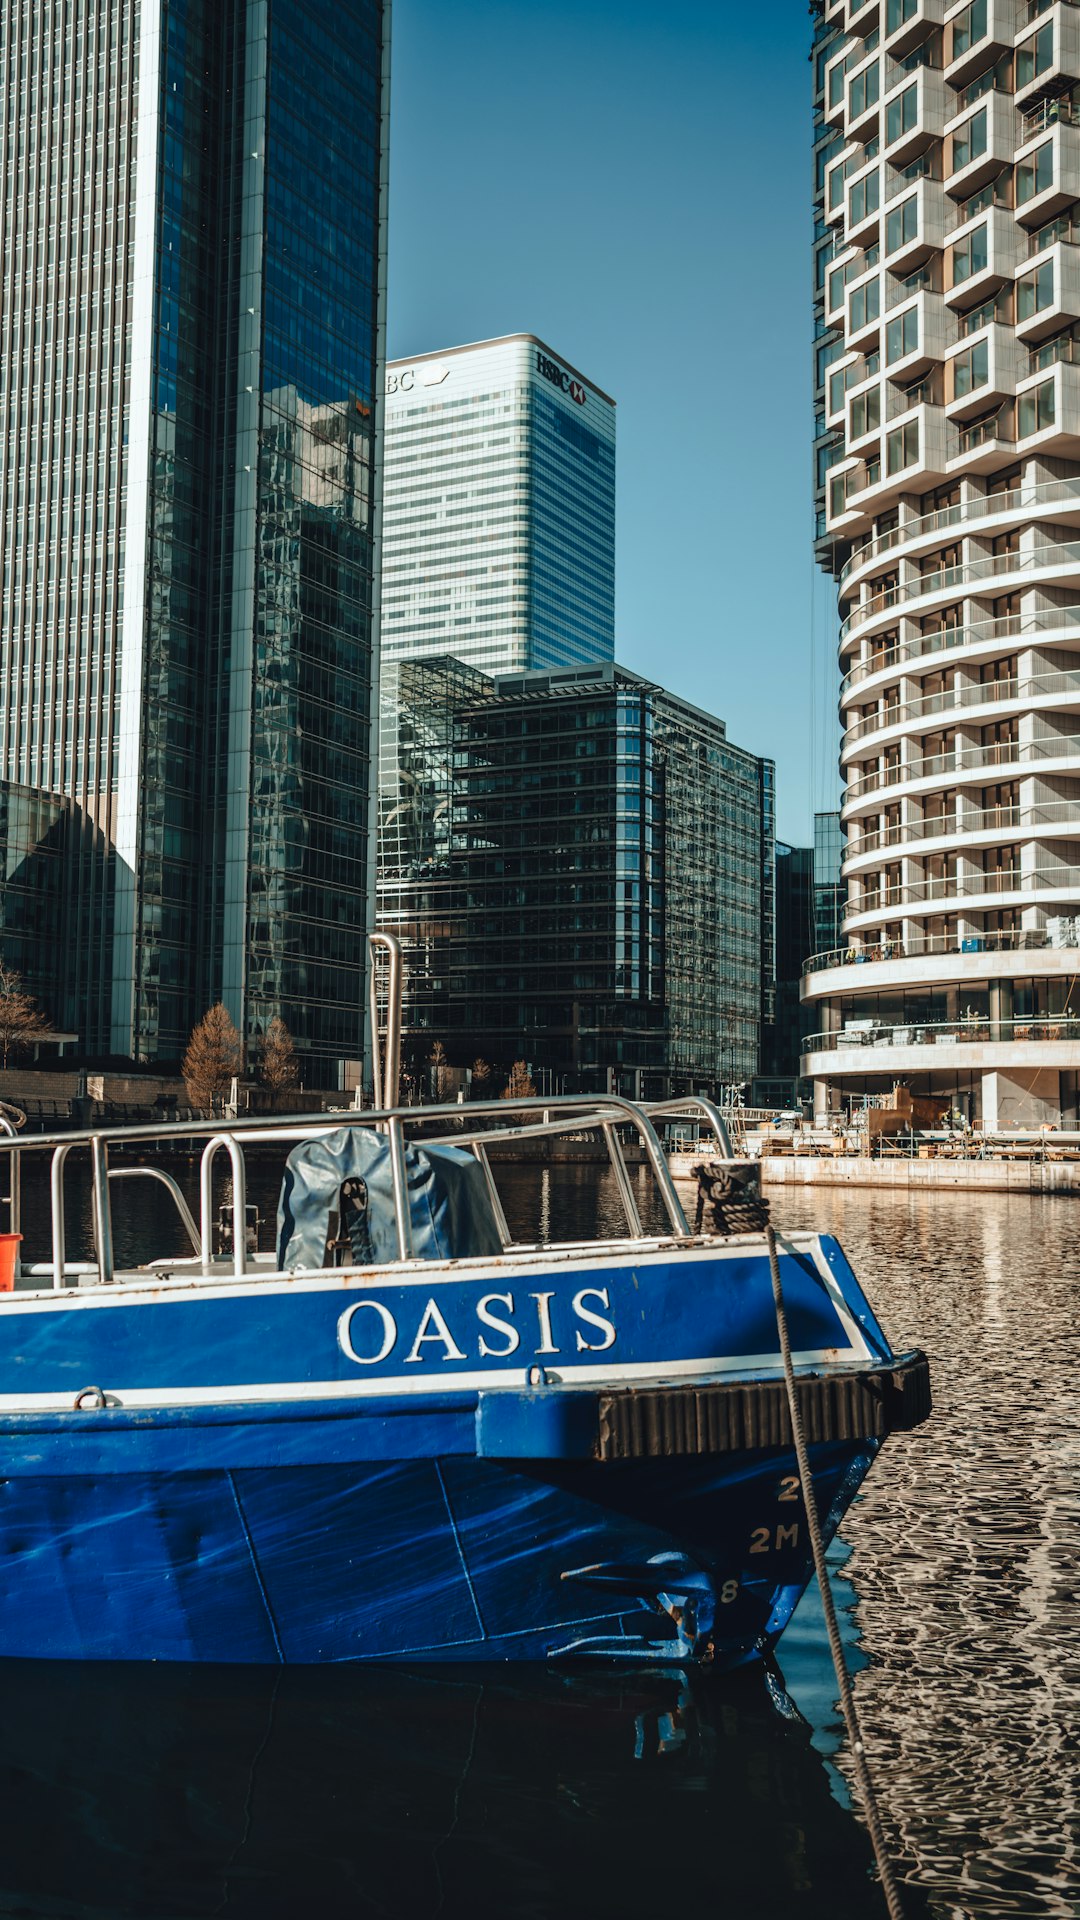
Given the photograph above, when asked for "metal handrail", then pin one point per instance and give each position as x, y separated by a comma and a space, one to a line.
206, 1200
166, 1179
561, 1113
386, 1083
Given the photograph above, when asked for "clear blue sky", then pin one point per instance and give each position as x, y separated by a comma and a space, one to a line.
631, 182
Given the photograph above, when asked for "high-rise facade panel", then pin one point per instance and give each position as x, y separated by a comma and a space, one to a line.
499, 509
947, 237
192, 313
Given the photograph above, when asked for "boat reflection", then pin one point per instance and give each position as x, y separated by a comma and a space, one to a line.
172, 1791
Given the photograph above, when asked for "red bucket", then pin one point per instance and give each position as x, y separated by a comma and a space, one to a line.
9, 1253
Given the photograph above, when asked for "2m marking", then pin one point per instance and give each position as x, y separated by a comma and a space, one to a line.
762, 1540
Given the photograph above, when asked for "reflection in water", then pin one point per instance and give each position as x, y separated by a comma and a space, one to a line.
172, 1793
345, 1791
964, 1541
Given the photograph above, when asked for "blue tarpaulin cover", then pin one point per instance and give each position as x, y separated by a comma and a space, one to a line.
448, 1202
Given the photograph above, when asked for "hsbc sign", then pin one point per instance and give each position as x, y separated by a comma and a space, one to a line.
559, 378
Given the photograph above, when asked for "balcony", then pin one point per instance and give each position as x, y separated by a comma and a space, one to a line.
863, 92
1007, 940
972, 43
1064, 494
1047, 173
863, 207
1041, 690
968, 765
1048, 411
982, 372
913, 113
1047, 286
915, 338
998, 823
969, 1030
907, 22
980, 142
991, 573
914, 228
1047, 56
863, 314
982, 256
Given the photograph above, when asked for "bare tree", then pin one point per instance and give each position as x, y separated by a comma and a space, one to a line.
21, 1019
438, 1063
481, 1079
215, 1053
521, 1085
277, 1057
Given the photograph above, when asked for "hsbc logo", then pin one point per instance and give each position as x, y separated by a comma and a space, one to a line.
551, 371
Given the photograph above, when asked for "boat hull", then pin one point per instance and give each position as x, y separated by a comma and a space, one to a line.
448, 1558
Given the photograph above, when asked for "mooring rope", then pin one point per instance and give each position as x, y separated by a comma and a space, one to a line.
836, 1648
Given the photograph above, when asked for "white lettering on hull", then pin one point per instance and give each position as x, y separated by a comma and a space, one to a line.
368, 1342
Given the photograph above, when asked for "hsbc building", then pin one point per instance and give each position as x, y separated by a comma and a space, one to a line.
498, 541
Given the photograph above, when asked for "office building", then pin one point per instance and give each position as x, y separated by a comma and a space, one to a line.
580, 866
795, 901
499, 509
947, 162
194, 241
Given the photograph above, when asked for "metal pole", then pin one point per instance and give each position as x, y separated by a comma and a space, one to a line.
59, 1238
626, 1191
401, 1201
99, 1160
389, 1092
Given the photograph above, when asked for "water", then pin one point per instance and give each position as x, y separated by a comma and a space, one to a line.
162, 1793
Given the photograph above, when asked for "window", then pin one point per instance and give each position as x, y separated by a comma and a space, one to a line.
1035, 292
902, 447
897, 11
901, 224
969, 141
838, 280
971, 369
838, 487
863, 91
901, 113
1035, 410
864, 199
865, 305
901, 335
970, 256
1035, 56
865, 413
839, 383
968, 28
836, 83
1035, 174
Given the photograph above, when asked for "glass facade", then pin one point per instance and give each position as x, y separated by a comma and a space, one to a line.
192, 313
830, 891
795, 909
499, 510
35, 908
580, 867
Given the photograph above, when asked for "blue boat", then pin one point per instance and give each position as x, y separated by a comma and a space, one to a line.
399, 1435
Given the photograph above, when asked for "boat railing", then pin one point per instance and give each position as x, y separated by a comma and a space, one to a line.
602, 1113
448, 1124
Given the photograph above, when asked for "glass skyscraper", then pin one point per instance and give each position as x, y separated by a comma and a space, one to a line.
499, 509
580, 868
193, 240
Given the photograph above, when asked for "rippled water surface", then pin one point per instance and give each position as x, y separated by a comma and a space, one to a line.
357, 1793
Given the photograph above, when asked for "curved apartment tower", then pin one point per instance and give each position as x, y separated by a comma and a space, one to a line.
948, 365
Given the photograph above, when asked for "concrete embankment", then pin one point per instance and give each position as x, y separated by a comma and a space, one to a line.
987, 1176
